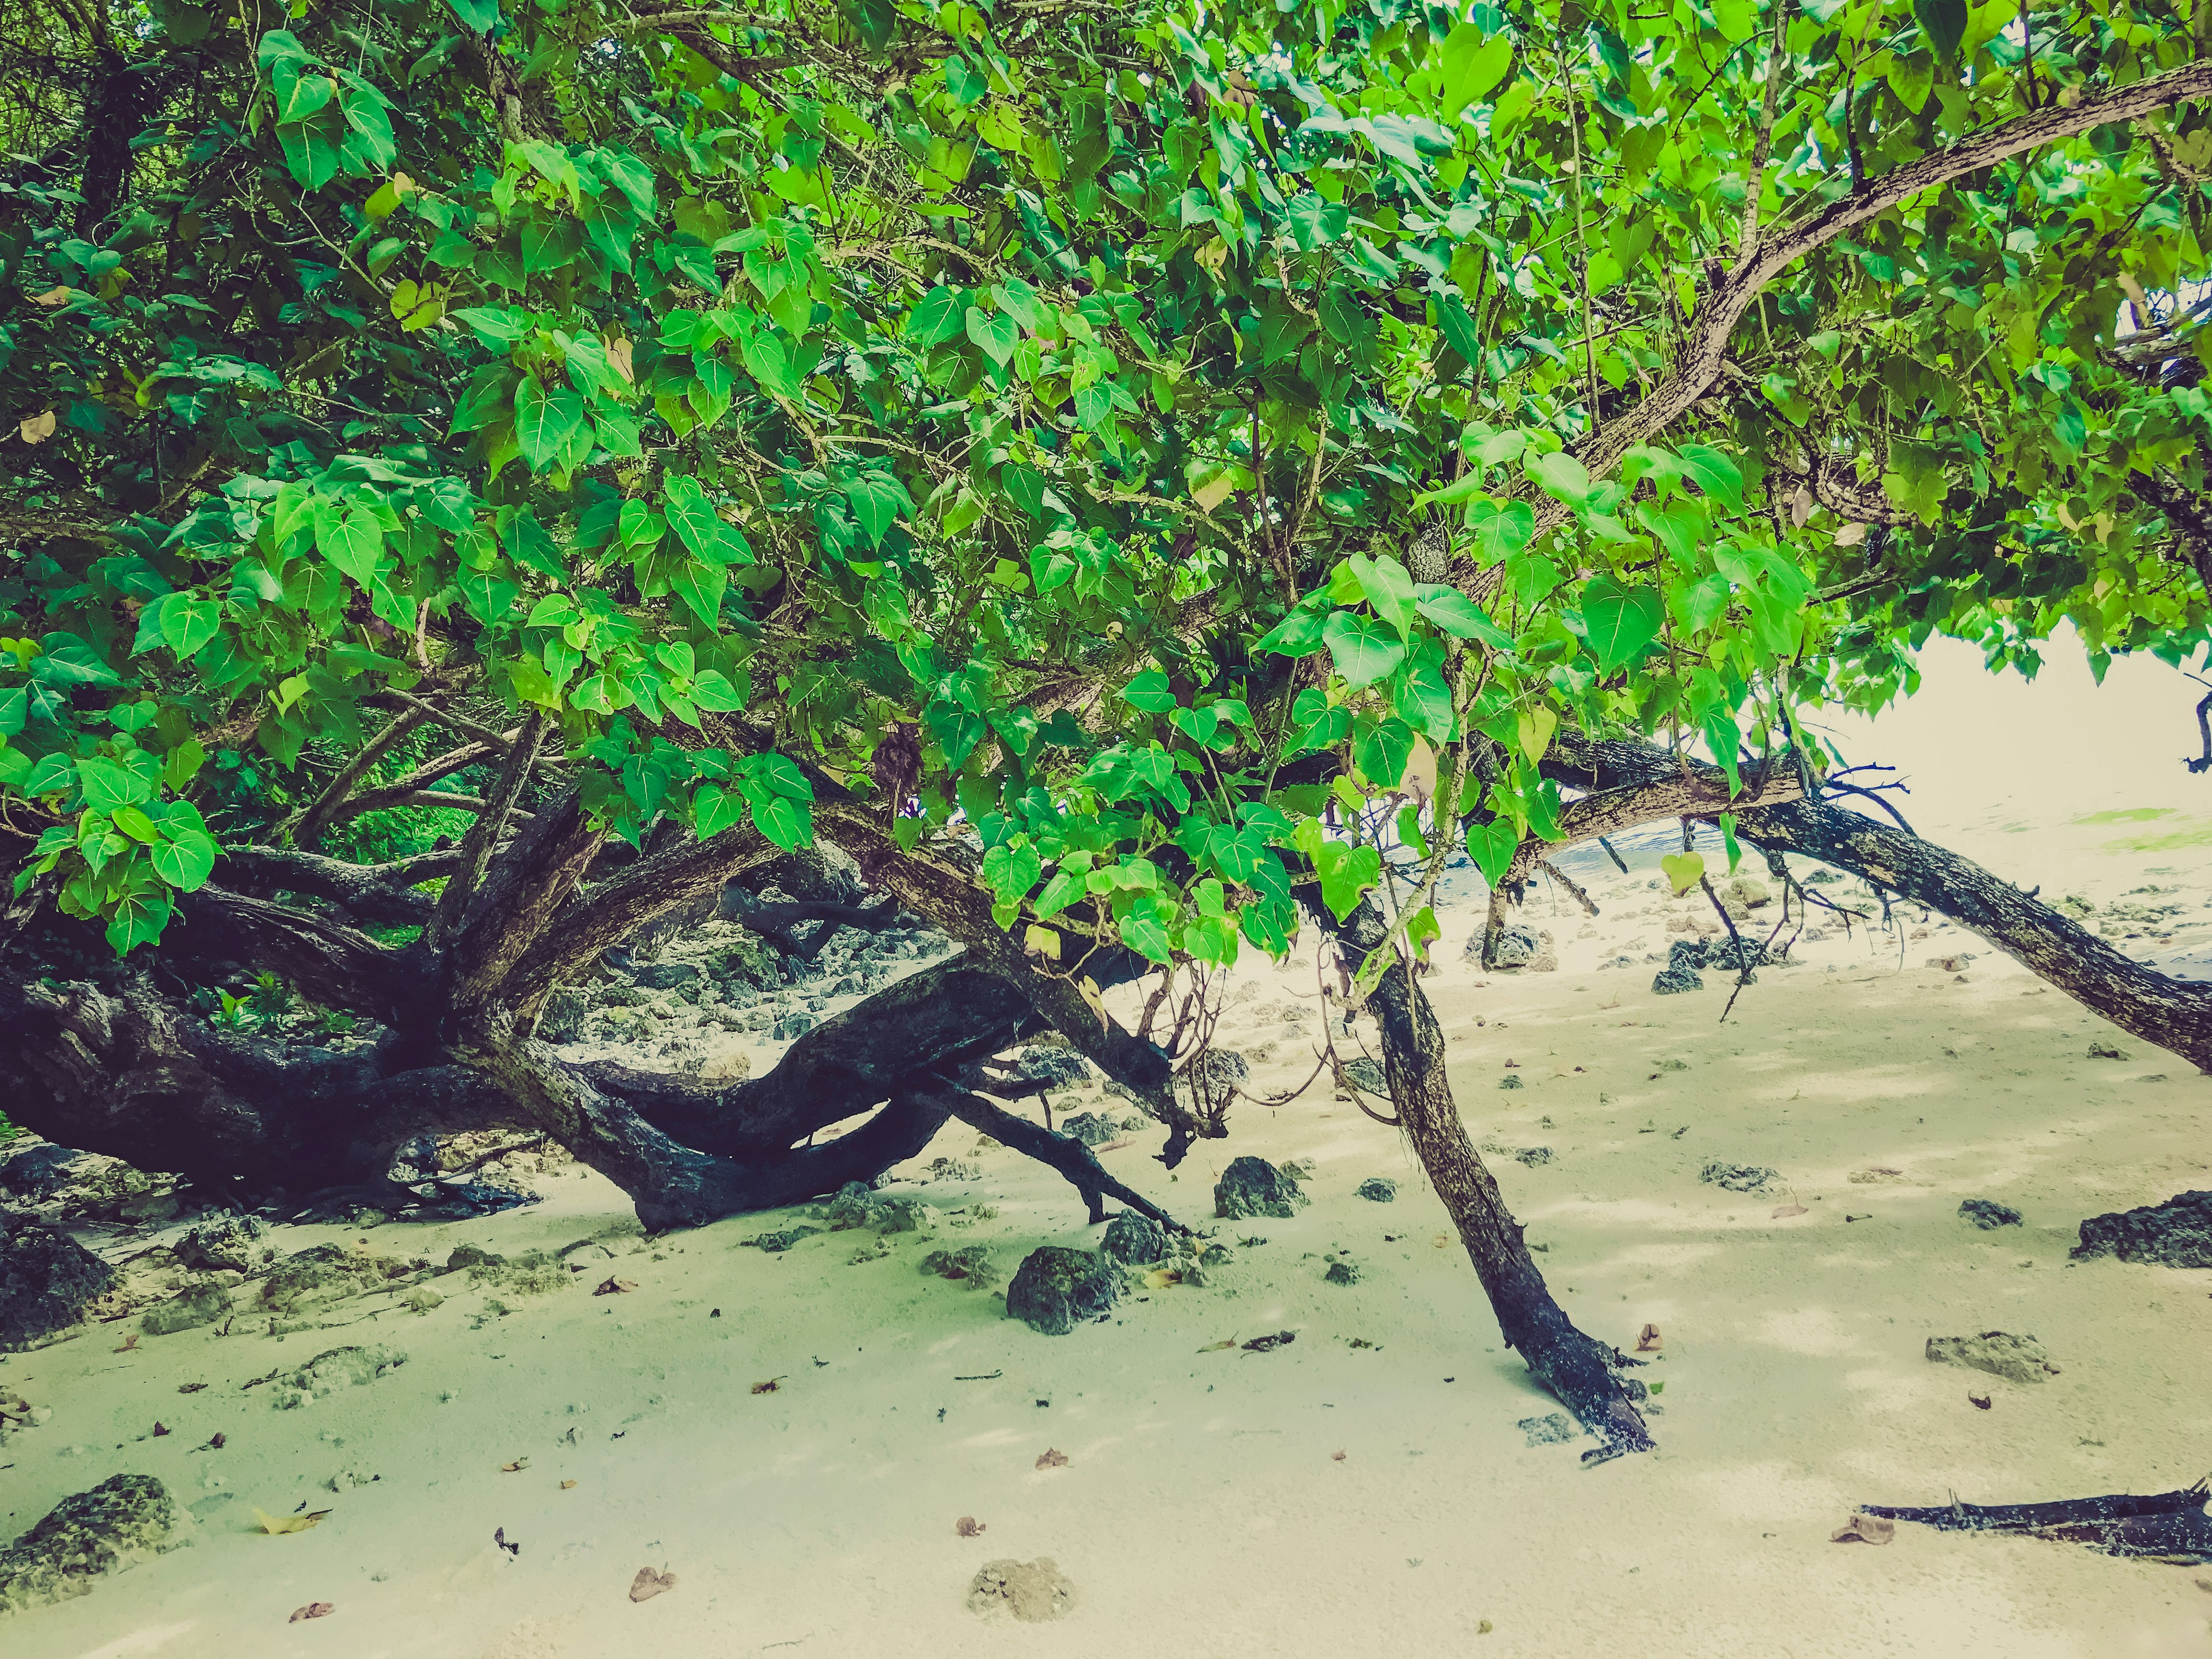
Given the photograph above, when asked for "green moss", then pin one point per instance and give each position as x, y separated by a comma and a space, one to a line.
2198, 835
2128, 815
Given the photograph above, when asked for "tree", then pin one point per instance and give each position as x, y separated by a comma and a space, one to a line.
1117, 474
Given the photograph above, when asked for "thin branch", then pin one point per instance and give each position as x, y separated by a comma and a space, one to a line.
309, 829
476, 845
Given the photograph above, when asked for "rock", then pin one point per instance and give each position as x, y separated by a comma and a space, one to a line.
1738, 1177
1690, 953
46, 1277
1381, 1189
323, 1274
1301, 1169
533, 1272
38, 1169
1218, 1071
1986, 1213
666, 976
1673, 982
971, 1266
2101, 1050
1366, 1075
202, 1301
1342, 1273
1517, 947
1511, 1080
1091, 1128
2175, 1234
905, 1215
1032, 1591
1556, 1430
561, 1019
854, 1207
1252, 1186
125, 1520
1532, 1156
1733, 955
1057, 1288
1751, 890
1047, 1062
1546, 959
465, 1256
1132, 1239
232, 1242
2016, 1359
776, 1243
334, 1371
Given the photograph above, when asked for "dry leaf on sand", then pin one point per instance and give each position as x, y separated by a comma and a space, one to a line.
160, 1429
612, 1286
1052, 1459
1261, 1344
769, 1387
129, 1343
1336, 1457
216, 1441
1783, 1211
1648, 1341
1980, 1399
1865, 1529
1158, 1279
313, 1610
1215, 1347
566, 1484
190, 1388
515, 1467
499, 1537
969, 1527
36, 428
283, 1524
649, 1584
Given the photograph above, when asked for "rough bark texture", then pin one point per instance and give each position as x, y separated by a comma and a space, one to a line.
1577, 1369
2175, 1014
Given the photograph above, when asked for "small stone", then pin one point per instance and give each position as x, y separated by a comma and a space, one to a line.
1987, 1214
1554, 1430
1511, 1081
970, 1266
666, 976
1252, 1186
1050, 1063
1342, 1273
1673, 982
1738, 1177
1091, 1128
2175, 1234
1132, 1239
776, 1243
324, 1274
119, 1524
46, 1277
1366, 1076
1532, 1156
2015, 1359
334, 1371
1031, 1591
1516, 947
233, 1242
1380, 1190
202, 1301
1057, 1288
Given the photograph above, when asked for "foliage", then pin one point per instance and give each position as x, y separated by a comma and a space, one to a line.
1184, 420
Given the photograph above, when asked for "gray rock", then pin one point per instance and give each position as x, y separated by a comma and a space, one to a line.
2175, 1234
1987, 1214
333, 1372
1673, 982
1366, 1075
1342, 1273
1031, 1591
1252, 1186
2015, 1359
229, 1243
125, 1520
1132, 1239
323, 1274
202, 1301
1218, 1070
1532, 1156
791, 1027
1691, 953
1556, 1430
1380, 1189
1057, 1288
1091, 1128
1063, 1068
776, 1243
905, 1215
854, 1205
971, 1266
46, 1277
1517, 947
1738, 1177
38, 1169
1511, 1080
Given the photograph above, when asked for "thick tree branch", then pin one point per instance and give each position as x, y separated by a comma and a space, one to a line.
491, 823
308, 830
372, 892
1063, 1152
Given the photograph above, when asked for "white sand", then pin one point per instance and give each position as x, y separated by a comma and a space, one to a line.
1202, 1511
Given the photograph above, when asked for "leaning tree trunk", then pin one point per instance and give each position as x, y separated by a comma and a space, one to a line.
2173, 1013
1580, 1371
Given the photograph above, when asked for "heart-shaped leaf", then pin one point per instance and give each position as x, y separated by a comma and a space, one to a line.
1683, 870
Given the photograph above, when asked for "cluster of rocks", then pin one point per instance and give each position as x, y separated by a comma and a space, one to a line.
2144, 913
1686, 958
125, 1520
74, 1188
1516, 947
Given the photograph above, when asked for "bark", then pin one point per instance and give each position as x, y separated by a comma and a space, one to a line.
1063, 1152
2169, 1526
2172, 1014
368, 892
1581, 1371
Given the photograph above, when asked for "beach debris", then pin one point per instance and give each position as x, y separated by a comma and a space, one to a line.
1254, 1187
190, 1388
324, 1273
2175, 1234
1441, 1240
1378, 1189
160, 1428
217, 1441
1988, 1214
1738, 1177
2169, 1526
1263, 1344
2015, 1359
129, 1343
1980, 1400
313, 1610
1783, 1212
980, 1377
515, 1467
970, 1265
1159, 1279
1879, 1173
499, 1537
1342, 1273
771, 1385
1132, 1239
1215, 1347
2101, 1050
568, 1485
1032, 1591
776, 1242
649, 1584
1555, 1429
334, 1370
277, 1525
969, 1527
612, 1286
1648, 1341
1053, 1458
125, 1520
1863, 1528
201, 1300
1057, 1288
1336, 1457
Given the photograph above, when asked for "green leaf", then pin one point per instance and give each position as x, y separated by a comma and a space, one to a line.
1011, 870
1150, 692
701, 583
1345, 872
351, 537
188, 622
1473, 64
1389, 588
713, 811
185, 861
476, 16
107, 785
1382, 750
1363, 650
1620, 621
1460, 617
1500, 531
940, 316
545, 421
1491, 845
1945, 24
1561, 476
1716, 474
996, 333
701, 530
878, 499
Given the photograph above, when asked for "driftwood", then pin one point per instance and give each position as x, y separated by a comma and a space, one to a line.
2169, 1526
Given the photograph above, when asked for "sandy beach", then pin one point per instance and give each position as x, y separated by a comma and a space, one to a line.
1381, 1483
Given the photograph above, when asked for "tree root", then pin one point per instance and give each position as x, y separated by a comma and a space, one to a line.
2170, 1526
1063, 1152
